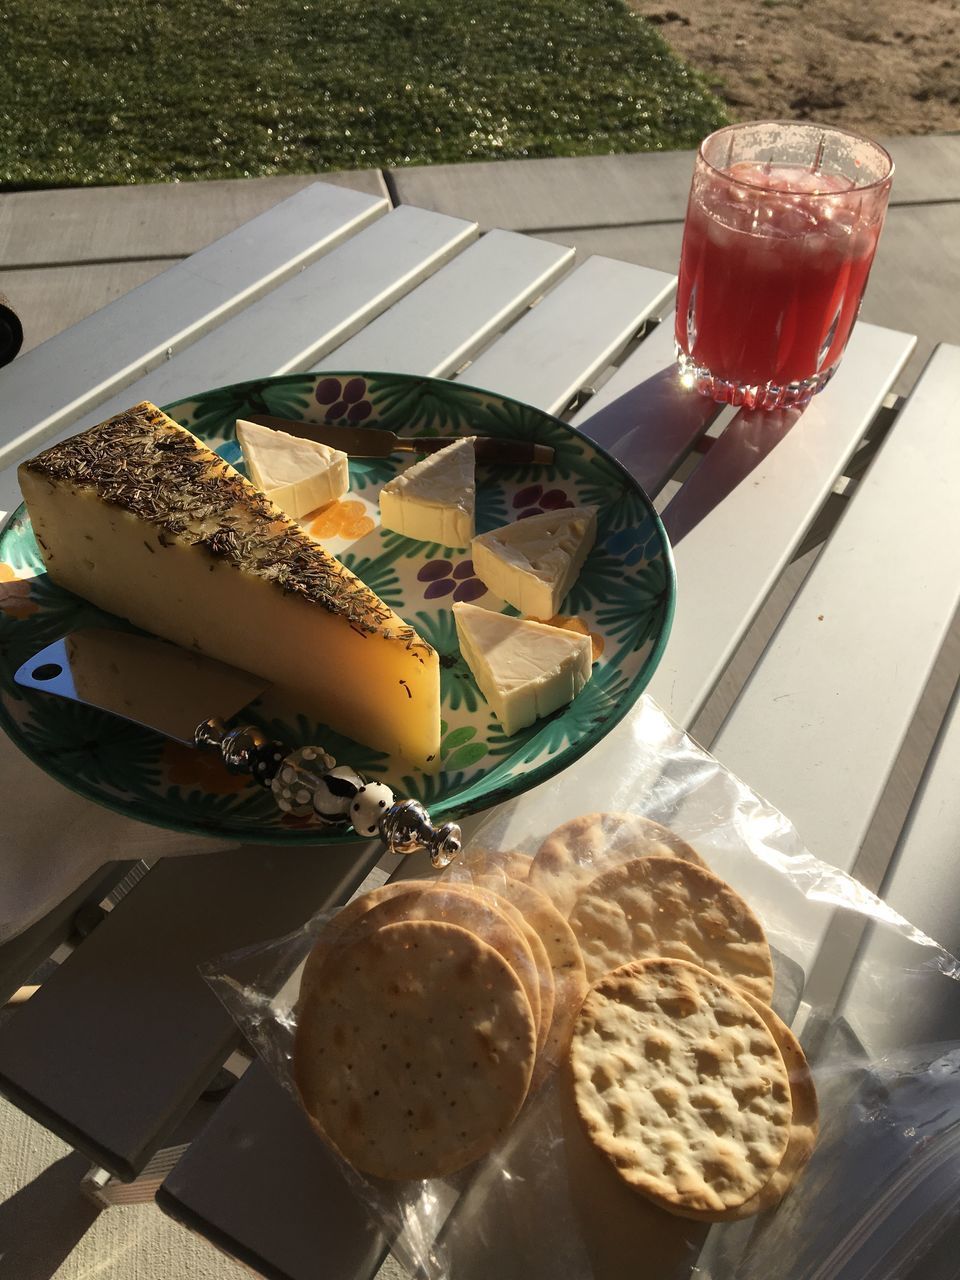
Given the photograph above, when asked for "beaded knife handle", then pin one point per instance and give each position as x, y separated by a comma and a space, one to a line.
168, 689
308, 782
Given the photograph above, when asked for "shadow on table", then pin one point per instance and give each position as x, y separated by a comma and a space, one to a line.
42, 1222
652, 426
744, 445
649, 428
547, 1205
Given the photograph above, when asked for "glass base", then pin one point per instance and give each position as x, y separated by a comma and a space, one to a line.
765, 395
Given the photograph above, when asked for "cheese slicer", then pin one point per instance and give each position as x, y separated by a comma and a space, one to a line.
191, 698
377, 442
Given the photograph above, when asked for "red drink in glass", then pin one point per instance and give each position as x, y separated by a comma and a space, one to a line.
776, 255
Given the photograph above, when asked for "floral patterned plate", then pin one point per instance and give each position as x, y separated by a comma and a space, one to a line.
624, 599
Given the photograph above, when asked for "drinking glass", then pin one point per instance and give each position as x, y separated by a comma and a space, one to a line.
781, 228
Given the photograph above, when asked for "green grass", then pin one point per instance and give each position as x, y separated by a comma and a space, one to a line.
105, 91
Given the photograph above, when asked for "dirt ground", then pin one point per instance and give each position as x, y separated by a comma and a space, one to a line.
882, 66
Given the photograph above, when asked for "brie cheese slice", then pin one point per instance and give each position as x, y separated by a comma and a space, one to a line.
524, 669
298, 475
533, 563
433, 501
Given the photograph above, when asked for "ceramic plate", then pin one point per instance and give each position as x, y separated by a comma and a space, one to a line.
624, 599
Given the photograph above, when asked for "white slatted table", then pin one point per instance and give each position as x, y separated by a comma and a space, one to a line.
334, 279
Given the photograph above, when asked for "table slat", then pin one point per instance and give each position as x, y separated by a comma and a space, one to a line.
573, 334
241, 1204
270, 1192
738, 518
644, 416
923, 885
449, 317
818, 725
50, 386
20, 957
117, 1045
300, 320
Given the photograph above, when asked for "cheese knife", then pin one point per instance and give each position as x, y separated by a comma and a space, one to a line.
191, 698
375, 442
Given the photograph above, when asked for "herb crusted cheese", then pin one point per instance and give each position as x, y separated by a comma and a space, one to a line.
140, 517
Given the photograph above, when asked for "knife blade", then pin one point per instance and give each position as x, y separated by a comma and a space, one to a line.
155, 684
188, 697
375, 442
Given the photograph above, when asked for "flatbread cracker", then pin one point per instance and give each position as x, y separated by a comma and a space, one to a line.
414, 1049
804, 1127
680, 1083
546, 989
579, 850
481, 862
626, 1236
544, 974
502, 927
666, 907
338, 923
563, 955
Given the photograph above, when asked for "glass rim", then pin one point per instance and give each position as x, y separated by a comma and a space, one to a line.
886, 179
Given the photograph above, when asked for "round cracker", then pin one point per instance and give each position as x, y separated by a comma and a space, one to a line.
804, 1126
540, 978
576, 852
563, 955
482, 862
544, 972
546, 986
670, 908
680, 1083
337, 924
502, 927
414, 1049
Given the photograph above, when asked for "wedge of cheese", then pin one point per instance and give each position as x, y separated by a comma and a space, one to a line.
533, 563
298, 475
140, 517
524, 669
433, 501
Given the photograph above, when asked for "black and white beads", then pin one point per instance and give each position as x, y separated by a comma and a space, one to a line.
371, 803
335, 793
299, 778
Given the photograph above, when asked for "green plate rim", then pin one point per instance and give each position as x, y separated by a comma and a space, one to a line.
446, 809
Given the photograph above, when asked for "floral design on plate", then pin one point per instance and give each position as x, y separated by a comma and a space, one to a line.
343, 399
15, 595
534, 500
597, 641
623, 599
632, 545
346, 518
444, 578
459, 748
188, 768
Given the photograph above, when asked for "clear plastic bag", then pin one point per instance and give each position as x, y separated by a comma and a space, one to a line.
878, 1196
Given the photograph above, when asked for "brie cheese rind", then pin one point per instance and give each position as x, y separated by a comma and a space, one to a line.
433, 501
524, 669
139, 516
533, 563
298, 475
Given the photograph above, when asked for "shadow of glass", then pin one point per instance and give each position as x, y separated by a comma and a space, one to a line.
744, 445
44, 1221
651, 427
